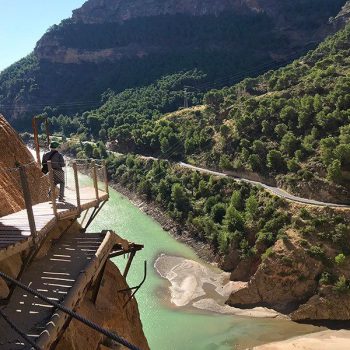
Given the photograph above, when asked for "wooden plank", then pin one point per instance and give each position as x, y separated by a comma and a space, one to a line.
14, 238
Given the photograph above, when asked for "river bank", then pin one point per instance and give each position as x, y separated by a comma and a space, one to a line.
326, 340
204, 251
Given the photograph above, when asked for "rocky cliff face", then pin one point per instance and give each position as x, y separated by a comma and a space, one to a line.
343, 16
101, 11
301, 275
14, 152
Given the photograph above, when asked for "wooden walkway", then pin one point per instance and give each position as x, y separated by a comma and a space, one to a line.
15, 232
63, 276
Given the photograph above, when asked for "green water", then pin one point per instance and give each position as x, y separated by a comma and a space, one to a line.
172, 328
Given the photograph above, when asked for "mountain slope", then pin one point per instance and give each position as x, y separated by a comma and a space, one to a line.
119, 44
291, 125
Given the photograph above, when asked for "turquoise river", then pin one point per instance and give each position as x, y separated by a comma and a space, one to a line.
167, 326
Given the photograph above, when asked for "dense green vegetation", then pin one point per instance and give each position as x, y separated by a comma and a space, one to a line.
122, 114
293, 122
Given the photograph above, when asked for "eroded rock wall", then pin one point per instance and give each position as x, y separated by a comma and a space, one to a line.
108, 312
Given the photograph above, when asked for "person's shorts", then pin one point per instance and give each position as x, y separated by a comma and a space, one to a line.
58, 176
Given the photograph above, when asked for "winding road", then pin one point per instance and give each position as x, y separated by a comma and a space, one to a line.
272, 189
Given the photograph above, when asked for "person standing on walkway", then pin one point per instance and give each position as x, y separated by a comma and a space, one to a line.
58, 164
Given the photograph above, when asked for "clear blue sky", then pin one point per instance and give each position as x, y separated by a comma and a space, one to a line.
23, 22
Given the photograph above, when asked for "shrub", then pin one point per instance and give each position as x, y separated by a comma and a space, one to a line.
334, 171
341, 233
304, 214
340, 259
342, 285
266, 237
304, 243
268, 253
287, 261
223, 240
233, 219
317, 252
251, 206
325, 279
275, 161
302, 278
218, 212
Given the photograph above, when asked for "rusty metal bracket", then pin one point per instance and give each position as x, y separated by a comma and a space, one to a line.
135, 289
93, 216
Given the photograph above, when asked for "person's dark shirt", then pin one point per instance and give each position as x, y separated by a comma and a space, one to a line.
56, 160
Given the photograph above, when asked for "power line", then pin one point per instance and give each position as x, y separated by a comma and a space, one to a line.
256, 69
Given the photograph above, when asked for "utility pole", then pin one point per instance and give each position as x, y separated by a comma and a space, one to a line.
185, 98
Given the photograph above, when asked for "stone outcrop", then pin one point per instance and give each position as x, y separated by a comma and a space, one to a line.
285, 278
326, 305
297, 276
343, 17
15, 152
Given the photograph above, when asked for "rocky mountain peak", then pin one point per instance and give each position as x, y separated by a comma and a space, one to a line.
343, 17
101, 11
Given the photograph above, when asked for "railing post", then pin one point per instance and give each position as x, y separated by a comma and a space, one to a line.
94, 176
127, 267
76, 180
36, 141
105, 176
47, 133
52, 187
27, 200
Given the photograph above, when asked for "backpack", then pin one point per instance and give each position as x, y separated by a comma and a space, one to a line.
45, 168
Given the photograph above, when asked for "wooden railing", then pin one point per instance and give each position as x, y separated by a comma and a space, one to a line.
74, 205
